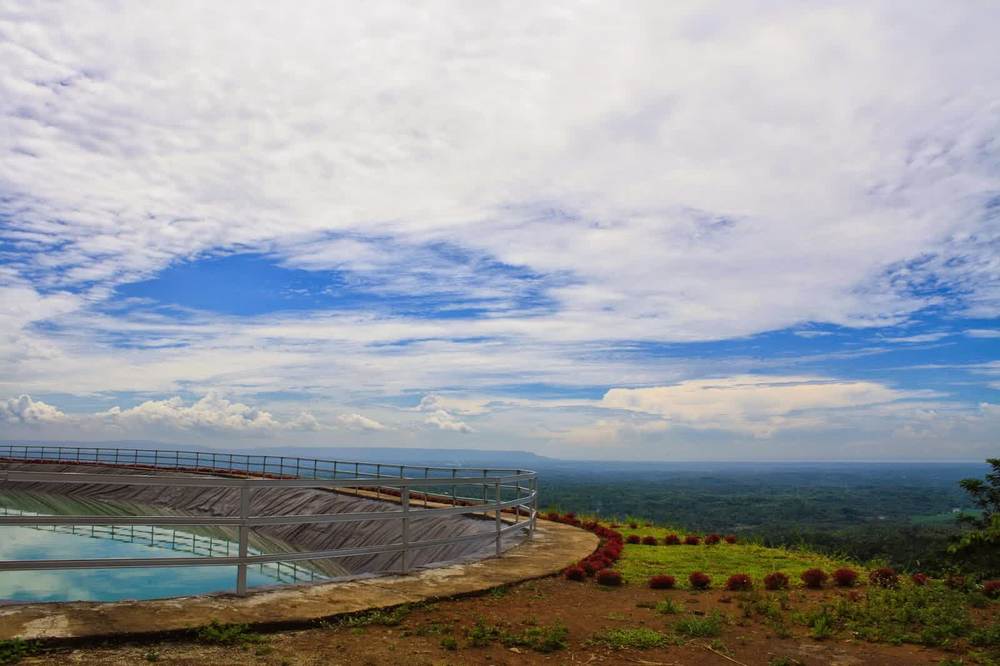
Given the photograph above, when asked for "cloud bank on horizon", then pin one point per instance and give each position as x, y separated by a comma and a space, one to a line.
651, 231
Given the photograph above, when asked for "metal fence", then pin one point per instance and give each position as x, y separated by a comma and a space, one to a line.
507, 497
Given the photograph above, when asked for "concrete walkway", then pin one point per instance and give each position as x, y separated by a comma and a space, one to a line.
553, 547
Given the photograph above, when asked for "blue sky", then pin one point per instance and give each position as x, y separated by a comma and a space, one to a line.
729, 233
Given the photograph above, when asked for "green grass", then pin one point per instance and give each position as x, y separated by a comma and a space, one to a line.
720, 561
227, 634
636, 638
537, 638
706, 626
12, 650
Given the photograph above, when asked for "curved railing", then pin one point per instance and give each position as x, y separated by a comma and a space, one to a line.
507, 497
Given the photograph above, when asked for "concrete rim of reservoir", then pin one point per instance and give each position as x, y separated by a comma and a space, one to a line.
548, 547
554, 547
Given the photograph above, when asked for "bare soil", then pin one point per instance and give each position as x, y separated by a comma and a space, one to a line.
584, 608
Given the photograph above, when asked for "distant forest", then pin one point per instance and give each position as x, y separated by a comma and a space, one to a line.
903, 514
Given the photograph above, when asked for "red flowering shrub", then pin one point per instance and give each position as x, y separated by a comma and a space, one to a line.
730, 538
588, 567
776, 581
570, 516
956, 582
692, 540
662, 582
649, 541
845, 577
814, 578
590, 525
991, 588
611, 553
552, 515
574, 573
699, 580
633, 538
885, 577
671, 540
920, 579
609, 577
739, 583
712, 539
633, 525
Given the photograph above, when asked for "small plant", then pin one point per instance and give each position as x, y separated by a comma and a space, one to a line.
227, 634
885, 577
845, 577
449, 643
13, 650
667, 607
633, 538
692, 540
712, 539
991, 589
671, 540
707, 626
637, 638
920, 579
152, 656
814, 578
662, 582
739, 583
700, 580
649, 541
776, 581
730, 538
574, 572
609, 577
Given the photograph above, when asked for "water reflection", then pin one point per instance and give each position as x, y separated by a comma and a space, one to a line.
27, 542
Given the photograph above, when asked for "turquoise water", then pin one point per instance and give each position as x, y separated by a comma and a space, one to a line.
104, 541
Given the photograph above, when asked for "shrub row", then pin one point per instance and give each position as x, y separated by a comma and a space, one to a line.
598, 563
674, 540
812, 578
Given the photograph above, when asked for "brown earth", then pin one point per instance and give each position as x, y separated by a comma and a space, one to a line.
584, 608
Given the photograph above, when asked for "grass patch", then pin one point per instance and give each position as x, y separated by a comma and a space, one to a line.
13, 650
707, 626
639, 563
667, 607
217, 633
538, 638
635, 638
379, 616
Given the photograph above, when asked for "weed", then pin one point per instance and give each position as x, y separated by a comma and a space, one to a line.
667, 607
379, 616
540, 639
635, 638
498, 592
449, 643
226, 634
152, 656
13, 650
706, 626
986, 636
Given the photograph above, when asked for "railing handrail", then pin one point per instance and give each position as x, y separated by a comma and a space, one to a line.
248, 473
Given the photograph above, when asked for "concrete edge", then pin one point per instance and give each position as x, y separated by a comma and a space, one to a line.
553, 547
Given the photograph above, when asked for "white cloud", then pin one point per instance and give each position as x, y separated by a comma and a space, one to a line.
25, 411
444, 421
465, 406
983, 333
757, 405
211, 412
359, 422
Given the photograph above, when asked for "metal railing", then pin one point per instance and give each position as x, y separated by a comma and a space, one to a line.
507, 496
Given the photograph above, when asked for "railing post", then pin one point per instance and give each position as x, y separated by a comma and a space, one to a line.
533, 507
241, 568
499, 523
404, 502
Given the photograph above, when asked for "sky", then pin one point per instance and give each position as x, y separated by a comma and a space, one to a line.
603, 230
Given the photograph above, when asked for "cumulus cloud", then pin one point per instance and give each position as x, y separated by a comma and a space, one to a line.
212, 412
359, 422
757, 405
23, 410
444, 421
464, 406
